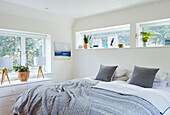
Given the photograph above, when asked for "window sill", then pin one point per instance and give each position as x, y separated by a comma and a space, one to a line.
150, 47
154, 47
14, 76
127, 47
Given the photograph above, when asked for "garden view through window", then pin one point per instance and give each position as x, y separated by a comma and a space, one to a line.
23, 49
161, 30
108, 37
10, 47
34, 48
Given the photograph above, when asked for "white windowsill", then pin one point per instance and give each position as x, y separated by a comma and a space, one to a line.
155, 47
101, 48
14, 76
125, 48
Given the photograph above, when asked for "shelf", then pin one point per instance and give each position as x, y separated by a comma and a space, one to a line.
14, 76
123, 48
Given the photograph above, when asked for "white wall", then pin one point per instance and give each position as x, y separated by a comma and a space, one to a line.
86, 62
60, 31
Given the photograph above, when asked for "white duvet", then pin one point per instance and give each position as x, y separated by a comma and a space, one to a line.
160, 98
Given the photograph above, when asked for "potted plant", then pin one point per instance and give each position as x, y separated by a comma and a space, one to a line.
87, 38
23, 72
146, 36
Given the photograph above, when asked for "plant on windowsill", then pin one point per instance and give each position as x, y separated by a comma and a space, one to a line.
87, 38
146, 36
23, 72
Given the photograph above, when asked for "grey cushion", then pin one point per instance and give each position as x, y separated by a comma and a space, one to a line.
105, 73
143, 77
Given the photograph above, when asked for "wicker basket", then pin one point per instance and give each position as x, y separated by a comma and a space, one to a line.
23, 76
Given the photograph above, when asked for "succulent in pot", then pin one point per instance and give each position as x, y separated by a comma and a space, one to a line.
87, 38
23, 72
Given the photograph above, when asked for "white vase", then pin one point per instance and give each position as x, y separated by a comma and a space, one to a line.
145, 44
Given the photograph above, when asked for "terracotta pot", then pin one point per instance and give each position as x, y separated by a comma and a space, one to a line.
86, 46
23, 76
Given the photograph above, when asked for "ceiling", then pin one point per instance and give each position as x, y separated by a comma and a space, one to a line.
77, 8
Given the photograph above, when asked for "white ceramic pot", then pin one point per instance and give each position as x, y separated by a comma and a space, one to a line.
145, 44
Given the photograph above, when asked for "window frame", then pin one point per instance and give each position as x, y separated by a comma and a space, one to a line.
23, 49
139, 27
79, 41
23, 35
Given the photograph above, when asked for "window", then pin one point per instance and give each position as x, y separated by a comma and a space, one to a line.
34, 48
23, 47
161, 28
10, 47
106, 37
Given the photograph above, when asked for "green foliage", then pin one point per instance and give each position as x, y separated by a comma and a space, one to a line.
146, 36
162, 33
123, 37
10, 47
21, 68
33, 49
87, 38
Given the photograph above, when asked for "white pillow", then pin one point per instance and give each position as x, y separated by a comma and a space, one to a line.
130, 76
161, 76
124, 78
120, 72
160, 84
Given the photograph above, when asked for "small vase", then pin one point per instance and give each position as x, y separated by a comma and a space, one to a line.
145, 44
121, 45
23, 76
86, 46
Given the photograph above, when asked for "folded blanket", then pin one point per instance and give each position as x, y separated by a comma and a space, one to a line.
77, 97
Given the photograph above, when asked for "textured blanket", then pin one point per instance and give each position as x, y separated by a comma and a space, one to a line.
76, 97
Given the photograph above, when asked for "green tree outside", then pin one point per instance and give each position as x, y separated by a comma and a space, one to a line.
164, 33
10, 46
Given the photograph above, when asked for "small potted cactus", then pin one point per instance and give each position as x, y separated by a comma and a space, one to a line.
23, 72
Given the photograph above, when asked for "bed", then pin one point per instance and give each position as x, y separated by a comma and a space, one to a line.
93, 97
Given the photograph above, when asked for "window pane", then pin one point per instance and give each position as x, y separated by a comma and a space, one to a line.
10, 47
104, 38
34, 48
163, 36
123, 37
